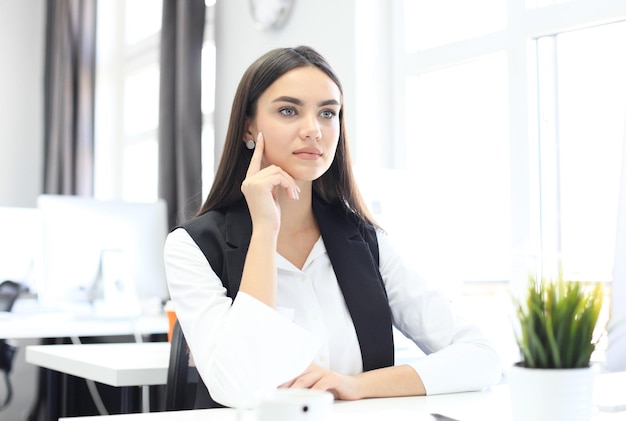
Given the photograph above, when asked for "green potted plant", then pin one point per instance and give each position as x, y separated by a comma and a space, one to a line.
556, 320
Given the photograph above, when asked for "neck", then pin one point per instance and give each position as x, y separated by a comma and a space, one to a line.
296, 214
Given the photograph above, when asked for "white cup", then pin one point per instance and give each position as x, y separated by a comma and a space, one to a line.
294, 405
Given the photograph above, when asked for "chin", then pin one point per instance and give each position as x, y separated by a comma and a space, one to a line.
307, 175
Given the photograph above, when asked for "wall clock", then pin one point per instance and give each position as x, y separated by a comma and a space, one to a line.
270, 14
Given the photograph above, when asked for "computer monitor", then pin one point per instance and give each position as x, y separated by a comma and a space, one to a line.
98, 252
20, 244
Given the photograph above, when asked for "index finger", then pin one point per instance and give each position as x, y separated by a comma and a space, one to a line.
257, 156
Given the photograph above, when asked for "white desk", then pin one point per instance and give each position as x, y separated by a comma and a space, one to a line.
146, 363
64, 325
116, 364
31, 319
120, 365
492, 405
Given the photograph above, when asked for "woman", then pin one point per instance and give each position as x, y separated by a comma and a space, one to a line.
284, 279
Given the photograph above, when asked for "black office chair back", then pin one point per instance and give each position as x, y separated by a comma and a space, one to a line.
185, 389
9, 291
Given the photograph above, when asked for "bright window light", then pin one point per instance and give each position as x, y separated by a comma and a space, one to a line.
458, 169
143, 19
141, 171
431, 23
582, 89
141, 100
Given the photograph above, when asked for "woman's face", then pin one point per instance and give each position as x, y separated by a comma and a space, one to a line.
299, 117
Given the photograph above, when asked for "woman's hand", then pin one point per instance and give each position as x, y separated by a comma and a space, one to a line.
401, 380
343, 387
260, 188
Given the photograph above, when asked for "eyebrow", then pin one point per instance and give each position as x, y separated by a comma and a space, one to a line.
296, 101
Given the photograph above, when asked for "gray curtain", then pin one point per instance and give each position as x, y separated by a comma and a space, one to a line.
69, 87
180, 113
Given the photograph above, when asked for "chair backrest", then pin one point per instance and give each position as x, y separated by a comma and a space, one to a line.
9, 291
185, 389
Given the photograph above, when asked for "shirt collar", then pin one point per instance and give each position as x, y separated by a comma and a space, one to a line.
319, 249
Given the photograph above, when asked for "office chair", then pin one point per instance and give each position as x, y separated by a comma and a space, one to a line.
184, 389
9, 291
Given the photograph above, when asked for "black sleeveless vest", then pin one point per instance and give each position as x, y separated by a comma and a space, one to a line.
224, 237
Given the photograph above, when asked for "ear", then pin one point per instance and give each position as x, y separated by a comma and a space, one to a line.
249, 132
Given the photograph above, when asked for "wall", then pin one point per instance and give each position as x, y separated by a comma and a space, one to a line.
326, 25
21, 101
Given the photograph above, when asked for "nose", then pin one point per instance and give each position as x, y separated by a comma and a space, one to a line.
310, 128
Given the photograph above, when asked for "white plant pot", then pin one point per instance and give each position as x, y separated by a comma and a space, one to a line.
551, 394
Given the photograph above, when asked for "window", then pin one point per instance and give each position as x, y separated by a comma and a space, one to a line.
431, 24
582, 105
127, 99
509, 124
457, 118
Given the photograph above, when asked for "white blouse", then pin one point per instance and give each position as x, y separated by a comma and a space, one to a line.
244, 347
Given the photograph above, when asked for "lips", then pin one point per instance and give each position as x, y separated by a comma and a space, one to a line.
309, 153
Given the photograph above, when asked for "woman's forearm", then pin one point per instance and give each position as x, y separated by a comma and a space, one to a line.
259, 271
385, 382
400, 380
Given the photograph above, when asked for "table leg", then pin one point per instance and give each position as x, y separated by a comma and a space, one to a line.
52, 395
145, 398
126, 403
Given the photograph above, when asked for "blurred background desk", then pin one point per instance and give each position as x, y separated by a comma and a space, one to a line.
29, 324
124, 365
62, 325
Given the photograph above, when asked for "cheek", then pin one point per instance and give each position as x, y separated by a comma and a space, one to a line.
332, 130
274, 148
272, 132
267, 119
275, 139
333, 152
261, 121
332, 136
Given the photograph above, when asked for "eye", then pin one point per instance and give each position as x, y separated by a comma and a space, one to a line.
287, 111
329, 114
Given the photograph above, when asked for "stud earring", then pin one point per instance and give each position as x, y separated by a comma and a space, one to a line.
250, 144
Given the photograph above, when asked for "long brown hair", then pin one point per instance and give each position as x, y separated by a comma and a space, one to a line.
336, 186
